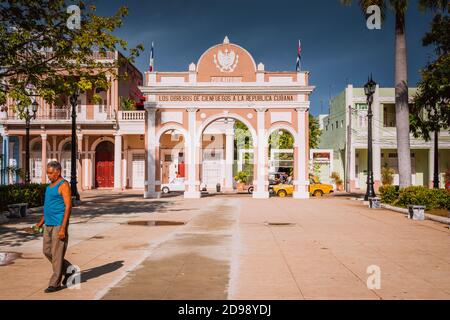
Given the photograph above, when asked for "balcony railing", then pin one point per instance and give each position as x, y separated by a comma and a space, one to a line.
132, 115
63, 114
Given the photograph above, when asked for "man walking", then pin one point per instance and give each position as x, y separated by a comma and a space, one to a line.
57, 209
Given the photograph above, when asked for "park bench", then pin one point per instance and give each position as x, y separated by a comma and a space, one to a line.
17, 210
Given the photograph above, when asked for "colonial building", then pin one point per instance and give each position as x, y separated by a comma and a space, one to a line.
188, 112
110, 140
344, 131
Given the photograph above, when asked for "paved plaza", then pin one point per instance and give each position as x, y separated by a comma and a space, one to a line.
233, 247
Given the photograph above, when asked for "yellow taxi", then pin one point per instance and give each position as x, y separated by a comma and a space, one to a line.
316, 188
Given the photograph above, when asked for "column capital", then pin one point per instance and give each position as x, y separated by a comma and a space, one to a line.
117, 134
302, 109
151, 106
43, 136
192, 109
261, 109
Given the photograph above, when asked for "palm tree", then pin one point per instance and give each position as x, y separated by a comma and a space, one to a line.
401, 76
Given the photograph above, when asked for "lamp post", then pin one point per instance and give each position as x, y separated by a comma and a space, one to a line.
27, 113
73, 162
369, 90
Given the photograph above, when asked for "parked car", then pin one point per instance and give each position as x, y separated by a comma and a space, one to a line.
283, 189
177, 184
318, 189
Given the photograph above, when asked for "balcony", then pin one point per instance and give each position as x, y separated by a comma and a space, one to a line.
131, 115
98, 114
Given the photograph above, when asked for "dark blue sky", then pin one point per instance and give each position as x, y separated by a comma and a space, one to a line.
337, 47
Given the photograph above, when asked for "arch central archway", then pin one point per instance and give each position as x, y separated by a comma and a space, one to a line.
226, 143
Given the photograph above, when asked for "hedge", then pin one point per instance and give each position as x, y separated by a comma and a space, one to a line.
417, 195
33, 194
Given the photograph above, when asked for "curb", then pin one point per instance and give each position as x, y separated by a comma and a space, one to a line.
427, 216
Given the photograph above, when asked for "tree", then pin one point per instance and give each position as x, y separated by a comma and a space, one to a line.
314, 132
44, 53
431, 110
401, 77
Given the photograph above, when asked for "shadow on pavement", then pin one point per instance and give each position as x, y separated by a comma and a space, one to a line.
96, 272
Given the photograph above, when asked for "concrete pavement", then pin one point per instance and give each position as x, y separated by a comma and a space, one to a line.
237, 248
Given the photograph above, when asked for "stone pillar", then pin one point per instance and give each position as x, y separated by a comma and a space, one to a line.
44, 158
5, 161
117, 162
150, 191
352, 167
55, 150
229, 159
376, 142
85, 163
193, 147
262, 181
124, 162
431, 162
302, 183
21, 156
80, 154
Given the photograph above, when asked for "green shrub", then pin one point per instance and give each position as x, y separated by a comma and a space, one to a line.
388, 194
418, 195
33, 194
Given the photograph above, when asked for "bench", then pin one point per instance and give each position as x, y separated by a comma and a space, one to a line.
17, 210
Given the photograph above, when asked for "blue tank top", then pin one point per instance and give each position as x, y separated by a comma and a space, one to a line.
54, 206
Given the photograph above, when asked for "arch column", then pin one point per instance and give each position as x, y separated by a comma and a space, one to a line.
193, 156
117, 162
302, 182
150, 187
229, 159
262, 182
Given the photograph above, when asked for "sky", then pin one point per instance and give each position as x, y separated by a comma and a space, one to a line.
337, 47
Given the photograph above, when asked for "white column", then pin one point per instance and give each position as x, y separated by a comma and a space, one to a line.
44, 158
352, 167
151, 153
21, 156
86, 162
124, 162
302, 182
262, 182
431, 162
117, 162
193, 190
376, 142
229, 159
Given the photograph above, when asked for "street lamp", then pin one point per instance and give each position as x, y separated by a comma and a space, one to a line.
73, 162
369, 90
27, 113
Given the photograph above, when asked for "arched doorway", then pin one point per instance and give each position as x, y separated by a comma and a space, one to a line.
36, 161
104, 165
227, 156
281, 155
172, 161
66, 160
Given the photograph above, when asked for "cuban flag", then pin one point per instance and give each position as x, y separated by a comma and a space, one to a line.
299, 56
152, 60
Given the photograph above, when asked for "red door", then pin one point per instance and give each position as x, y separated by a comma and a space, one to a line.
104, 165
